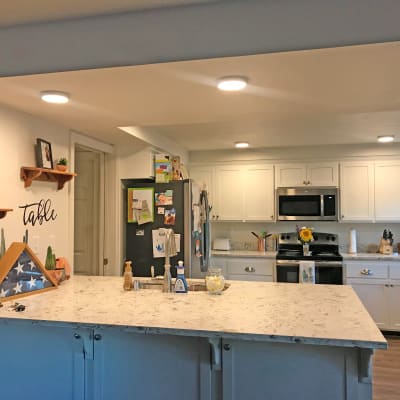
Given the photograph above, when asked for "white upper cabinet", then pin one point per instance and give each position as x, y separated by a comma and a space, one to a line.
357, 191
229, 194
316, 174
387, 191
240, 192
259, 194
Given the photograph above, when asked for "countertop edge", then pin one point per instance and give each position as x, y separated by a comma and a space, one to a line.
244, 253
269, 338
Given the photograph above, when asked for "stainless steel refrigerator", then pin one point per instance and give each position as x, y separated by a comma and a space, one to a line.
191, 222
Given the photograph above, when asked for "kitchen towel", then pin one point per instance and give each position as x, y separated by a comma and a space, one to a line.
352, 241
307, 272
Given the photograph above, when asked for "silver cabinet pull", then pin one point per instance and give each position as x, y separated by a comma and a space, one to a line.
250, 269
365, 271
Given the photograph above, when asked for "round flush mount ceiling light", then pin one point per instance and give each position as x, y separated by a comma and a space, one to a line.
241, 145
54, 97
232, 83
386, 138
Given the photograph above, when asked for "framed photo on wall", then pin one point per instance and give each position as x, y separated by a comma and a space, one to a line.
44, 156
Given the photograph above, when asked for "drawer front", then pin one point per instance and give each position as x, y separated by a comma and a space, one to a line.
250, 266
367, 270
248, 277
395, 270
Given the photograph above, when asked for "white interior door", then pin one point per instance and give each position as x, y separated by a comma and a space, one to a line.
87, 215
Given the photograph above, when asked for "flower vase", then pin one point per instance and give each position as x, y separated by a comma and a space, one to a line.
306, 249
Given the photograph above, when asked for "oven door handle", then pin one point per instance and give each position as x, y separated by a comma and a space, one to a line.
328, 264
287, 263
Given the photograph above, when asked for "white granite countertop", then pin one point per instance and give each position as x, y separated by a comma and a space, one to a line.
371, 257
243, 253
263, 311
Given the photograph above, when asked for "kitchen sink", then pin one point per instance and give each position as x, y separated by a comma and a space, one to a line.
158, 285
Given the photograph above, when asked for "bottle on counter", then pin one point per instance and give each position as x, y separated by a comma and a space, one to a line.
181, 285
128, 275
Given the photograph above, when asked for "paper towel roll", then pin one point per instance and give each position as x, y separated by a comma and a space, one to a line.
352, 241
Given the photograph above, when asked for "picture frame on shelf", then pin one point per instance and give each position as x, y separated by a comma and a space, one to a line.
44, 155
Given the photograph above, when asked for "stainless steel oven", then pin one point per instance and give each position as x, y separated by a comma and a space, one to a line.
324, 252
326, 272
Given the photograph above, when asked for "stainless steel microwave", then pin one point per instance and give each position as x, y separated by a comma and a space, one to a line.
307, 204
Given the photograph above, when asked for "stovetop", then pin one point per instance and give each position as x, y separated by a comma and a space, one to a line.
324, 247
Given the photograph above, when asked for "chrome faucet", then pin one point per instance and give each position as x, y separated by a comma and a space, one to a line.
170, 251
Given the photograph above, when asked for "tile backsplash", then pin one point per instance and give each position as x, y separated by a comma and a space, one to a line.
242, 239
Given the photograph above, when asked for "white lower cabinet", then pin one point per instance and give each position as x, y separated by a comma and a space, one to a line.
245, 269
377, 284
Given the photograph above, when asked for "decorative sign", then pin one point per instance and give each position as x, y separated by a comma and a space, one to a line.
22, 273
38, 212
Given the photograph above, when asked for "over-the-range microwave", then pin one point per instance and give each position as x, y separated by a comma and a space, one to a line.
307, 204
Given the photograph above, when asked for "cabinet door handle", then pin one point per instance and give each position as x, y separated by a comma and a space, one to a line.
342, 216
365, 271
386, 285
77, 336
250, 269
308, 182
304, 183
391, 285
97, 336
272, 217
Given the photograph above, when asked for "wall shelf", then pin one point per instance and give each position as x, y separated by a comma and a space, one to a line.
29, 174
4, 211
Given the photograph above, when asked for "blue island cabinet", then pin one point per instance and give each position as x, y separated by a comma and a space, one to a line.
41, 362
55, 361
131, 365
288, 371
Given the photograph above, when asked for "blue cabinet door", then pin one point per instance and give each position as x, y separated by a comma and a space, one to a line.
141, 366
40, 362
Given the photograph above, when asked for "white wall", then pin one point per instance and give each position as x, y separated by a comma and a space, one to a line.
242, 239
18, 133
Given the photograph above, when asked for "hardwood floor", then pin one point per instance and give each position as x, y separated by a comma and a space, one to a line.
386, 371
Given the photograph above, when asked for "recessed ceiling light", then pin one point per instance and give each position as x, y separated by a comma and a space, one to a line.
241, 145
386, 138
232, 83
51, 96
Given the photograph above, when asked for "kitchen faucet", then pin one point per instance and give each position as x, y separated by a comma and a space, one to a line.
170, 251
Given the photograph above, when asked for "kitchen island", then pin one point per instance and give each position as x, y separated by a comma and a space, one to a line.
90, 339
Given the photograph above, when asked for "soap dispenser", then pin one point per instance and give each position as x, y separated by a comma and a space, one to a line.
181, 285
128, 275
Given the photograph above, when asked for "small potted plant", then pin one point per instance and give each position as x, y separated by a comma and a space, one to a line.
62, 164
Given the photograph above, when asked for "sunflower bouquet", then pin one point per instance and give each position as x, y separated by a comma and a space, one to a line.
305, 234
